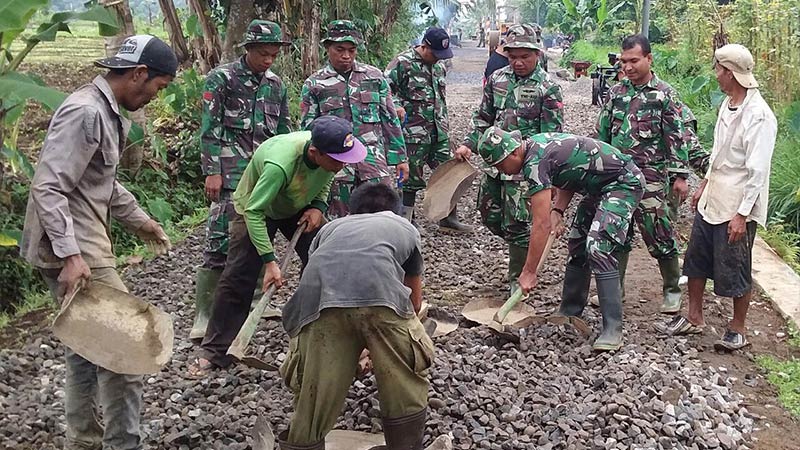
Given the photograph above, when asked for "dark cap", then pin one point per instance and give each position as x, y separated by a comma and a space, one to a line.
145, 50
439, 42
333, 136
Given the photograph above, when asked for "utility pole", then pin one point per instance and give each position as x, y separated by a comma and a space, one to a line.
646, 18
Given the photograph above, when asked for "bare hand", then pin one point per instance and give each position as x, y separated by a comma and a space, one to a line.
736, 228
313, 219
213, 186
402, 168
154, 237
272, 275
364, 364
401, 114
463, 153
680, 189
527, 281
75, 269
556, 223
697, 194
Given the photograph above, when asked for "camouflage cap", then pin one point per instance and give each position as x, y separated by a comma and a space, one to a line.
264, 32
343, 31
496, 144
523, 36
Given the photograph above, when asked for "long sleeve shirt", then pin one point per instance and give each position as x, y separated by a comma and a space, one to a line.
74, 191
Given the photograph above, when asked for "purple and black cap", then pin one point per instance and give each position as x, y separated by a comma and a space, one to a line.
439, 41
333, 136
145, 50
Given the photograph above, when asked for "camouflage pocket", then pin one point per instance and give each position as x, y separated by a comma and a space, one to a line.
370, 107
331, 104
418, 90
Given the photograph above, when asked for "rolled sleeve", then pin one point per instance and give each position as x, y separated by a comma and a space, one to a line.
759, 140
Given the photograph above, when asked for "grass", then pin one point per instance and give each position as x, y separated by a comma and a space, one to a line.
784, 375
32, 301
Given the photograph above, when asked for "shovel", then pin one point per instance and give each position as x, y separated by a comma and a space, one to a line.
445, 187
242, 340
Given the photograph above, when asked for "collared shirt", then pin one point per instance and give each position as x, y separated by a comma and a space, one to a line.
738, 174
74, 191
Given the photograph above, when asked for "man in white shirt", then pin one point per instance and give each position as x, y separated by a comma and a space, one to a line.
730, 200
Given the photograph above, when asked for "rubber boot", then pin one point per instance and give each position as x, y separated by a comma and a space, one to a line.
451, 223
409, 198
671, 274
611, 309
622, 266
205, 285
516, 261
575, 293
404, 433
283, 445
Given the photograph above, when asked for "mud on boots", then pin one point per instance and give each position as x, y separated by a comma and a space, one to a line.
205, 285
608, 291
670, 268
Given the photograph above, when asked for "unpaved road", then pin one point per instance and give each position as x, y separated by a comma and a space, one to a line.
550, 391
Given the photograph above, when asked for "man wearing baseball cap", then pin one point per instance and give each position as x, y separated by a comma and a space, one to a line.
337, 312
523, 97
285, 184
244, 104
417, 79
556, 166
730, 201
73, 195
360, 94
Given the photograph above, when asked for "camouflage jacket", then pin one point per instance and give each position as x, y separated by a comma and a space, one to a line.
645, 123
532, 105
365, 99
419, 88
578, 164
241, 109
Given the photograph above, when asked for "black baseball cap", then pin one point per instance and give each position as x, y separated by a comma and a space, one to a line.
439, 41
143, 49
333, 136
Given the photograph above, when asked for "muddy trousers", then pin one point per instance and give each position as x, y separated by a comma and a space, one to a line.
322, 360
89, 386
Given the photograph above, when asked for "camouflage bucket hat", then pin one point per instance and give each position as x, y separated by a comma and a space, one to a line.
343, 31
264, 32
523, 36
495, 144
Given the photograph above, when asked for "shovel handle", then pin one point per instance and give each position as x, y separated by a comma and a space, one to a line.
250, 325
516, 296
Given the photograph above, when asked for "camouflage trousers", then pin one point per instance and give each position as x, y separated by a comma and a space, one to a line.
504, 208
600, 227
219, 215
652, 217
339, 198
420, 155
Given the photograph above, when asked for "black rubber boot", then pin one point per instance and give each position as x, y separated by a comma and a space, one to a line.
283, 445
407, 211
575, 293
516, 262
611, 308
404, 433
671, 274
451, 223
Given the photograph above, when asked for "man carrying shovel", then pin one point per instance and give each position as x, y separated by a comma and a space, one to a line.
285, 185
612, 187
361, 289
73, 195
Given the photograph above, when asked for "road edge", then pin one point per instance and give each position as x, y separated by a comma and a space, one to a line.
778, 281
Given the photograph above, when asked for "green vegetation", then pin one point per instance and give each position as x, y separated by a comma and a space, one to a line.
785, 375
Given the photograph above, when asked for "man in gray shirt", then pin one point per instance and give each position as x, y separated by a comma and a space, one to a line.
361, 289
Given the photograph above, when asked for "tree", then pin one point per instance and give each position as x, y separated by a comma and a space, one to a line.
207, 48
174, 30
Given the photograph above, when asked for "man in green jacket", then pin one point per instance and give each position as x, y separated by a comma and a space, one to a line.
286, 184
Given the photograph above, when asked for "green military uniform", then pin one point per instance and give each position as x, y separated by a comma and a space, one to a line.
530, 104
612, 187
241, 109
362, 97
645, 123
698, 156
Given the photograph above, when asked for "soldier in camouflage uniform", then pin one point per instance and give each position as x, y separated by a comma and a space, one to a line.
360, 94
520, 96
244, 104
612, 187
698, 157
417, 79
642, 118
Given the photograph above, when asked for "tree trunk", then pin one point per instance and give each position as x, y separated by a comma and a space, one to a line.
132, 157
207, 48
310, 30
173, 26
389, 17
240, 13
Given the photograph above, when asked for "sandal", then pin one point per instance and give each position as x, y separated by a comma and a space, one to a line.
731, 341
199, 368
678, 326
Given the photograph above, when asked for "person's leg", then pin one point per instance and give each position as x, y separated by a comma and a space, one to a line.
577, 276
696, 288
516, 227
733, 276
121, 398
233, 296
319, 369
490, 201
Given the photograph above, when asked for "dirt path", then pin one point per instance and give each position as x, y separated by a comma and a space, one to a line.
550, 391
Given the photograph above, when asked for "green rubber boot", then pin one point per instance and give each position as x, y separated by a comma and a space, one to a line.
205, 285
608, 290
671, 274
516, 261
575, 292
622, 266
